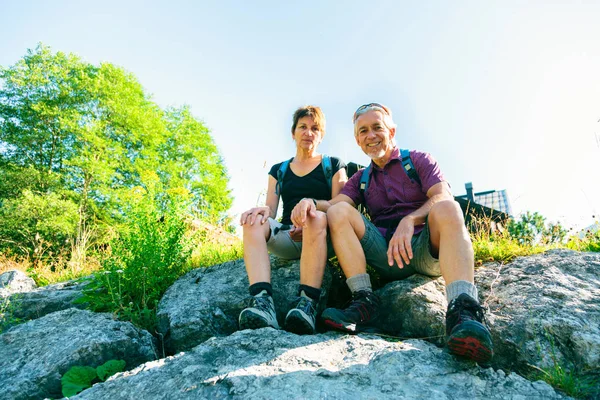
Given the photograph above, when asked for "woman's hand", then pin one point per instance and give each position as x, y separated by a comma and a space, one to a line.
400, 247
296, 233
251, 216
303, 208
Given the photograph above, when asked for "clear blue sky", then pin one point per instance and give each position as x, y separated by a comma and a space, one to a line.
505, 94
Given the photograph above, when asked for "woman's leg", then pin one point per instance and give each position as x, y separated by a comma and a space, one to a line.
256, 256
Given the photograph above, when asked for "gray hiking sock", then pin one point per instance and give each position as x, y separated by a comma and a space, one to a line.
456, 288
359, 282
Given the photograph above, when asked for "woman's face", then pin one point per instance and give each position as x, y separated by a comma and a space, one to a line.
308, 134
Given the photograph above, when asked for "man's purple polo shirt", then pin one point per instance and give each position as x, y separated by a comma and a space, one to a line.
391, 194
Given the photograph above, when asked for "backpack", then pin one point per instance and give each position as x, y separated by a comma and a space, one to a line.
407, 164
325, 163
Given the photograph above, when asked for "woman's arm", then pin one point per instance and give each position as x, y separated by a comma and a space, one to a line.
266, 211
337, 183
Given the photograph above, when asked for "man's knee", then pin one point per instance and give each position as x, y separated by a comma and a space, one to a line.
446, 212
340, 213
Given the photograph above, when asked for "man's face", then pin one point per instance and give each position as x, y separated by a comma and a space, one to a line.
373, 137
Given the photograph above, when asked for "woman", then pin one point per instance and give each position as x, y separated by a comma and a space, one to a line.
304, 178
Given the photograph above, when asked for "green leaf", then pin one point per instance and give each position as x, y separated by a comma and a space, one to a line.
110, 368
77, 379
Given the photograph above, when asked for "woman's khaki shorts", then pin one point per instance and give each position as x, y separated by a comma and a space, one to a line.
281, 244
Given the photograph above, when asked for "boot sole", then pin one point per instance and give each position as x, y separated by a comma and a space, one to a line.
252, 321
344, 327
296, 324
466, 344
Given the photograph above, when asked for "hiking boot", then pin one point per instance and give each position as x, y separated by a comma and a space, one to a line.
362, 311
260, 313
301, 318
467, 335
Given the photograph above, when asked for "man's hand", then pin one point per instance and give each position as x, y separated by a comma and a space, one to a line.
400, 247
304, 208
257, 213
296, 233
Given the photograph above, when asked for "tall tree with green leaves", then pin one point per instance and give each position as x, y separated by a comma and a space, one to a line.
87, 133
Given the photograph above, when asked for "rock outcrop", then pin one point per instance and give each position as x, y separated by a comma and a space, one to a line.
206, 302
15, 281
34, 355
271, 364
545, 308
544, 311
38, 302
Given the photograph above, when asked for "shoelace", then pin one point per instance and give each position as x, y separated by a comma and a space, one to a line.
261, 302
360, 303
305, 305
474, 311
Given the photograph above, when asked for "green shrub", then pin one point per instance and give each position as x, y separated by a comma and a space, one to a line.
589, 242
532, 229
151, 251
37, 225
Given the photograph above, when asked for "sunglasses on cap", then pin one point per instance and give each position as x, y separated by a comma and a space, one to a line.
366, 107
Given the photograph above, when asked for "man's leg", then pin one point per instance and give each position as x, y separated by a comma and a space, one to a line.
450, 242
347, 228
301, 318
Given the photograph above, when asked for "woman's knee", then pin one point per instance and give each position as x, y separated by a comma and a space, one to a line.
257, 231
317, 223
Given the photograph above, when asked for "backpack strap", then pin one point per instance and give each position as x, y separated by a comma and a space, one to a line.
364, 180
326, 164
280, 174
408, 166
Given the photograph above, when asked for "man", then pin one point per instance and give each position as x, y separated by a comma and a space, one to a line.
414, 228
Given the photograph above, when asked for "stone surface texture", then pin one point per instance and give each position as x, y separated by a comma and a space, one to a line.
207, 301
15, 281
545, 308
48, 299
34, 355
414, 308
271, 364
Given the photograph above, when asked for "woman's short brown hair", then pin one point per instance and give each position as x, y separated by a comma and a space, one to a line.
310, 111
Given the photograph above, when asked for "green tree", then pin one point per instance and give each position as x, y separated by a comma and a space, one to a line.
86, 133
532, 229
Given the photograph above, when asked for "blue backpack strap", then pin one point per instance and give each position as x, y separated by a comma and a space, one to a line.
408, 166
326, 164
364, 180
280, 174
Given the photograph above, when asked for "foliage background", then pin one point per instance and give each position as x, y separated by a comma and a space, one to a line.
75, 138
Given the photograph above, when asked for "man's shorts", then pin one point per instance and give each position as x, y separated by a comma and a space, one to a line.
375, 247
281, 244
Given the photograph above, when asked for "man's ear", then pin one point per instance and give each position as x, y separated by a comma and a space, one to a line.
392, 133
356, 138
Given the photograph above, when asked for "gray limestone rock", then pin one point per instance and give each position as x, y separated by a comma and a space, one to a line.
206, 302
271, 364
45, 300
414, 308
34, 355
544, 308
15, 281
